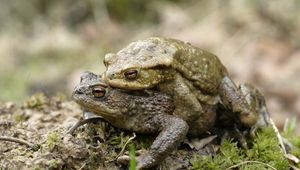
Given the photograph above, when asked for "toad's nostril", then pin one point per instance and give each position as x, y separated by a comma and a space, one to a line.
111, 76
79, 91
85, 75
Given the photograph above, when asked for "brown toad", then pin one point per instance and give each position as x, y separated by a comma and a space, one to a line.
191, 76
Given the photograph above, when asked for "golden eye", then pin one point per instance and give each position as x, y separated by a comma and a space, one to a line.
131, 74
98, 92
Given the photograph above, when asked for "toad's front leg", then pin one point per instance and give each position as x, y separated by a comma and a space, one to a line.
235, 100
172, 132
187, 104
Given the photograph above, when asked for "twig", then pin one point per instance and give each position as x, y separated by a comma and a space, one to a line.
20, 141
82, 166
279, 137
126, 143
294, 168
289, 156
123, 148
246, 162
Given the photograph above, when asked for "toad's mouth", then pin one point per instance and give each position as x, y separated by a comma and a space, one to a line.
104, 111
129, 85
98, 108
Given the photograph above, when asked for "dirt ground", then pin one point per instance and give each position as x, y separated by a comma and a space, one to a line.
46, 49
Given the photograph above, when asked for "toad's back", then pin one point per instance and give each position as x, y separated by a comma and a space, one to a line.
141, 102
203, 68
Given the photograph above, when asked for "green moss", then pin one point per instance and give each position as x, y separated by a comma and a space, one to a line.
93, 160
266, 149
229, 155
19, 117
264, 154
53, 164
231, 152
36, 101
53, 140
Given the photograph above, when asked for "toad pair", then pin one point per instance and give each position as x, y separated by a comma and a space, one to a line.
166, 86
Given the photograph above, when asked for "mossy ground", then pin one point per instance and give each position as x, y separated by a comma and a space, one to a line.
265, 153
43, 121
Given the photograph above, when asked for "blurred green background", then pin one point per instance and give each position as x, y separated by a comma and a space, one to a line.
46, 45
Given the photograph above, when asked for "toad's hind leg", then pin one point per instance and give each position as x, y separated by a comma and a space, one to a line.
234, 100
204, 124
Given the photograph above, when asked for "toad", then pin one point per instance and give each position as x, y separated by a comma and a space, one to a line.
191, 76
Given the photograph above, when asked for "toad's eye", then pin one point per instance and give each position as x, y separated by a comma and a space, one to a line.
131, 74
98, 92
